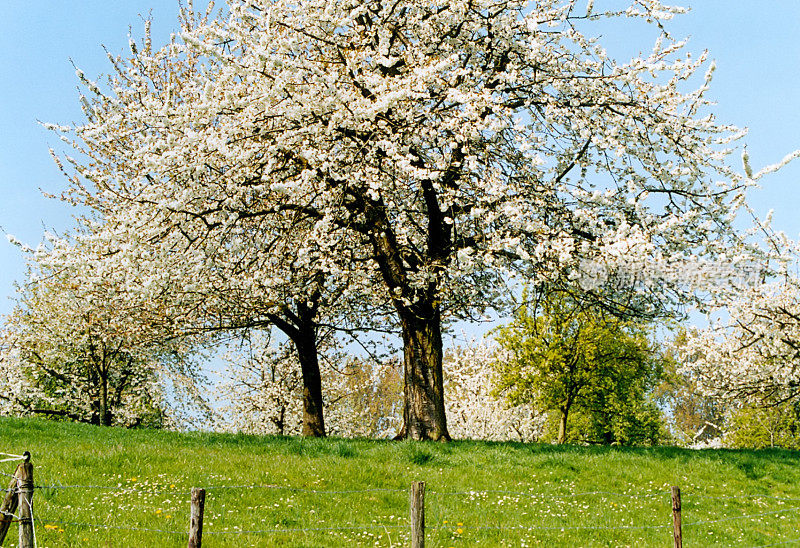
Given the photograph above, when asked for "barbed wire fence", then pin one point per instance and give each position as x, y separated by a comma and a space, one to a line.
412, 527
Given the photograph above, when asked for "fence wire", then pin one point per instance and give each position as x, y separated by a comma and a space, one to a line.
738, 497
734, 518
220, 488
472, 493
231, 532
308, 529
529, 494
45, 522
551, 528
781, 543
548, 495
112, 488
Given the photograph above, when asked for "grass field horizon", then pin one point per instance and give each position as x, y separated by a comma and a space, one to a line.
100, 486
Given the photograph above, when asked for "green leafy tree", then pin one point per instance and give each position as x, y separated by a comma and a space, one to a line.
570, 357
636, 422
759, 427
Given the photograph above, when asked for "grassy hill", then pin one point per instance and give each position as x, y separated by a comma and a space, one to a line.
114, 487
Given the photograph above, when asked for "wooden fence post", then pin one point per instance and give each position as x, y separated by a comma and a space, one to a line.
418, 514
8, 507
25, 482
196, 518
676, 517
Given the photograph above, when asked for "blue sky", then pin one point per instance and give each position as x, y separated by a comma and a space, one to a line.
757, 85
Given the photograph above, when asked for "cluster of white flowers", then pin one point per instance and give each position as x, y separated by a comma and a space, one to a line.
750, 354
474, 411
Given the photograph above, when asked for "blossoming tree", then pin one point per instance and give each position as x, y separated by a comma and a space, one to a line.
428, 150
750, 356
474, 410
262, 391
76, 347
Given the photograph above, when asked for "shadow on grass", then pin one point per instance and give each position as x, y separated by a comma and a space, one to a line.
753, 464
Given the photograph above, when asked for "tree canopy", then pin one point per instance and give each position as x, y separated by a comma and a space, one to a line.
565, 355
422, 153
749, 352
74, 348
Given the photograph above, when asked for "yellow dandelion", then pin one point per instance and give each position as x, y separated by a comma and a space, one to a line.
459, 524
50, 526
158, 511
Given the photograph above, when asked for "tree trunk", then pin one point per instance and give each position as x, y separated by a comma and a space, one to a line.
423, 408
313, 420
105, 413
562, 426
301, 329
280, 424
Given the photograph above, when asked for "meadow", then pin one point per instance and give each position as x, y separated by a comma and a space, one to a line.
101, 486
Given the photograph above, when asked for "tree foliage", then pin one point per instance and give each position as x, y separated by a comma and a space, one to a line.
568, 356
751, 427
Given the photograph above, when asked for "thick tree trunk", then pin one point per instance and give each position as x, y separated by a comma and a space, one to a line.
313, 421
423, 409
420, 317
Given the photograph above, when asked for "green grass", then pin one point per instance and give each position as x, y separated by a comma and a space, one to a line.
482, 489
